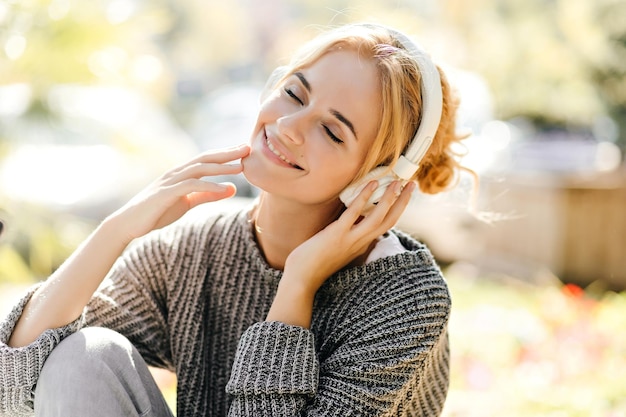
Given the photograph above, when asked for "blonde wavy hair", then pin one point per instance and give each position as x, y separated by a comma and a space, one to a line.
401, 107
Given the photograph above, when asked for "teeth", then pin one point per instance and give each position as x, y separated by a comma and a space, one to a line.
278, 154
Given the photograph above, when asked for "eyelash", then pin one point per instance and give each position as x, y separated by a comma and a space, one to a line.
293, 96
330, 134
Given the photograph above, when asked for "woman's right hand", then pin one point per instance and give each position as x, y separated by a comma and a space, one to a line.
177, 191
61, 299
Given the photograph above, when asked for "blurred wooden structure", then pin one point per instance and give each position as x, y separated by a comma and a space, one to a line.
575, 226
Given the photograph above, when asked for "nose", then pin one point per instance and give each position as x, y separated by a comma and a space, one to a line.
291, 127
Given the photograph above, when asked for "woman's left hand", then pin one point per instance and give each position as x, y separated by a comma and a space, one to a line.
310, 264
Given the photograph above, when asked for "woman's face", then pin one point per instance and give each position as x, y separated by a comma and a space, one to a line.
314, 131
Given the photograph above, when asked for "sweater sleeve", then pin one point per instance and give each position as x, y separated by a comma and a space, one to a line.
391, 360
20, 367
275, 370
130, 301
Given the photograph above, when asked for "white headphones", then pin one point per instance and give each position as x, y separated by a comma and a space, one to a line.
408, 163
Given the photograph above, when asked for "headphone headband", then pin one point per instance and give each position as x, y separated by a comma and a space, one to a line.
432, 104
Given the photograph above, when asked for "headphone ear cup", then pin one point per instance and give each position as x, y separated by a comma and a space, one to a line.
271, 82
383, 175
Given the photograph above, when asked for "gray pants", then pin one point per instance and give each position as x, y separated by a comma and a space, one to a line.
97, 372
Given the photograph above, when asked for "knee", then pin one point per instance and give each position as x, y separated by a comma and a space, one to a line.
86, 352
95, 366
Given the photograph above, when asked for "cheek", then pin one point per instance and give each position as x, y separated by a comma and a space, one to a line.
337, 173
271, 108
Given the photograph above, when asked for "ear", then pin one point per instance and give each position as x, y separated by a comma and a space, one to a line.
271, 82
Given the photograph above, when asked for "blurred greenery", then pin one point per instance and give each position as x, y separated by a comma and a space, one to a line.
36, 242
553, 62
557, 61
528, 350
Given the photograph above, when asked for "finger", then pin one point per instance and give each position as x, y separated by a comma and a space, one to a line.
178, 199
222, 156
388, 210
371, 221
196, 198
354, 210
378, 213
398, 207
218, 156
200, 170
175, 192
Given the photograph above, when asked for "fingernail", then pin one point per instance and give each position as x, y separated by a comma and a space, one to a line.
372, 185
396, 187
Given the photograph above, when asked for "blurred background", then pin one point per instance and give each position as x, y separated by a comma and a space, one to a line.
98, 98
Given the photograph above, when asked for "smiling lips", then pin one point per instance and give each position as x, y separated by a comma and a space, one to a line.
280, 155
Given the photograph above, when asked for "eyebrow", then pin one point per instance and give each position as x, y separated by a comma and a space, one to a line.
335, 113
345, 121
304, 81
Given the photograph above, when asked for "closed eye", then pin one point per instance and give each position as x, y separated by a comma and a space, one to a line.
291, 94
332, 135
329, 132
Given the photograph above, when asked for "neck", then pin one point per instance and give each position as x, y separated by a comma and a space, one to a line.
282, 225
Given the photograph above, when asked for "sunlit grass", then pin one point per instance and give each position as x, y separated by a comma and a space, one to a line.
527, 350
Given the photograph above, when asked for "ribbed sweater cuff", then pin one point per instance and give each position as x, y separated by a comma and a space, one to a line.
275, 358
20, 367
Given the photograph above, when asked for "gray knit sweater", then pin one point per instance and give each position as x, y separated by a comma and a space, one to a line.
193, 297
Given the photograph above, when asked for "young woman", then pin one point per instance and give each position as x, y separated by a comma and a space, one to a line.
296, 305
